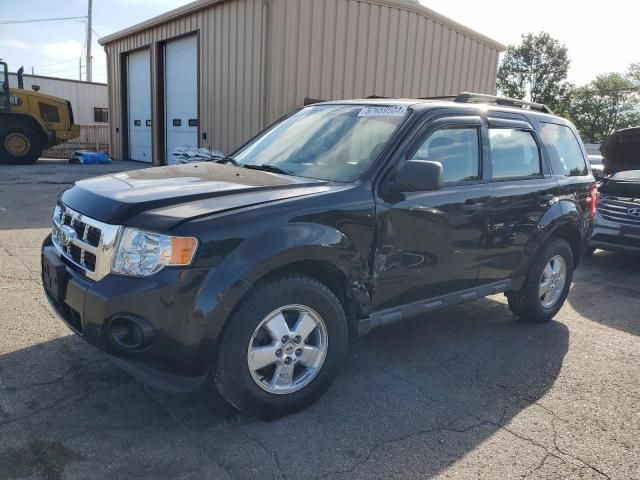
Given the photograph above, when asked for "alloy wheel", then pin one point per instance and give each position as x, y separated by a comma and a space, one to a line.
287, 349
552, 281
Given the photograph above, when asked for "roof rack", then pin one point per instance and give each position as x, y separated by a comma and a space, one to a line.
468, 97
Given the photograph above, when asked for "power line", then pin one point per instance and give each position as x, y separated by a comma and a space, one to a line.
57, 71
57, 63
36, 20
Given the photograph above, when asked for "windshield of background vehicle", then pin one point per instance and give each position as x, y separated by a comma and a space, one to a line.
327, 142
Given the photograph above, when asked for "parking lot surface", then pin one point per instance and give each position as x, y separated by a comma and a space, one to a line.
468, 392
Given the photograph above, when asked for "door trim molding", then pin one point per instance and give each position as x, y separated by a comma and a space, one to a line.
402, 312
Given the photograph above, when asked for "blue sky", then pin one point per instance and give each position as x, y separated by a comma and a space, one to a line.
601, 36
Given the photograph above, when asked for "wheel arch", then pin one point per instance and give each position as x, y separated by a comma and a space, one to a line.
317, 251
24, 119
329, 275
569, 232
563, 220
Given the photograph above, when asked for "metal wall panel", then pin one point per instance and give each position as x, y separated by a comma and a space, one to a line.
260, 59
230, 42
339, 49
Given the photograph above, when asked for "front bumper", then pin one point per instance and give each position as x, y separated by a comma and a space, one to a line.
166, 301
617, 237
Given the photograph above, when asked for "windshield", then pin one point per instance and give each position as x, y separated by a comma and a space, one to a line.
328, 142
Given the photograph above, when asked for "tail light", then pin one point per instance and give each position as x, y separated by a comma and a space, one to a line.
593, 199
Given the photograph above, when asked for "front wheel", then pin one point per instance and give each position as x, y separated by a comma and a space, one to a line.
19, 145
282, 348
547, 284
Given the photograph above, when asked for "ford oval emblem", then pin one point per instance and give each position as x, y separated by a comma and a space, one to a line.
634, 212
66, 234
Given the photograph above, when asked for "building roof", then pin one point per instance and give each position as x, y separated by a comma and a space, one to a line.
193, 7
60, 79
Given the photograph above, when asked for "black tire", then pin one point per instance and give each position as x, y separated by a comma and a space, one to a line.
526, 302
19, 145
231, 371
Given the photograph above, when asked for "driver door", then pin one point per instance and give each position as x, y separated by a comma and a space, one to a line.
431, 242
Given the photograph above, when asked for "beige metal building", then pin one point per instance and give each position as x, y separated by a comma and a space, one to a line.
214, 72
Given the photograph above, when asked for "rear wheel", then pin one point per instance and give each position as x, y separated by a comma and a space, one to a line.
282, 348
547, 284
19, 145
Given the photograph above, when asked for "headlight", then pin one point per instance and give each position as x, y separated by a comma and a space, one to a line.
142, 253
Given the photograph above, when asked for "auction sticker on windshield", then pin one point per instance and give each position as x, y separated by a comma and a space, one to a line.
386, 111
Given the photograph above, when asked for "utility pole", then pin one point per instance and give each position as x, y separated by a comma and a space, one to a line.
89, 43
80, 69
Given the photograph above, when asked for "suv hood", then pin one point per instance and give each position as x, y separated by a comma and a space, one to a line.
622, 184
621, 151
160, 198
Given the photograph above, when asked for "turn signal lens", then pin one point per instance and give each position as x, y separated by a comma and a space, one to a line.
182, 250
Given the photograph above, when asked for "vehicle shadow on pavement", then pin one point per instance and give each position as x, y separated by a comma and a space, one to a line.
606, 290
413, 399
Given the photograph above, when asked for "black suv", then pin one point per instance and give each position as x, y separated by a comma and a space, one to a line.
340, 217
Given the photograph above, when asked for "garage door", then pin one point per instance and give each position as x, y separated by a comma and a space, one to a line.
181, 94
139, 105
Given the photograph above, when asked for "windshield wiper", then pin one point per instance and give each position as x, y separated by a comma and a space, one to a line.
268, 168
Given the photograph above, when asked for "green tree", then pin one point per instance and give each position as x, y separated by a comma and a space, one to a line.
633, 74
536, 70
608, 103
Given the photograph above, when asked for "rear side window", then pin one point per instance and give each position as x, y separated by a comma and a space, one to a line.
514, 153
564, 150
49, 113
457, 149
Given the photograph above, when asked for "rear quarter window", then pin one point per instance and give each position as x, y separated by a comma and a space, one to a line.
564, 150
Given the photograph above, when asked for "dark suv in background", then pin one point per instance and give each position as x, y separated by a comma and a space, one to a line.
340, 217
616, 225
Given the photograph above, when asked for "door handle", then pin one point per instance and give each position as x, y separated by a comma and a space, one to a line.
471, 206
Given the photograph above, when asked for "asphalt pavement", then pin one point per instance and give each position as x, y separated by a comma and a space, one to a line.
464, 393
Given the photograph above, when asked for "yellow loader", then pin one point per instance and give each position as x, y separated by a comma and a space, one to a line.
31, 121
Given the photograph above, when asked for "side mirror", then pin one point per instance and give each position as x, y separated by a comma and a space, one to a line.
419, 176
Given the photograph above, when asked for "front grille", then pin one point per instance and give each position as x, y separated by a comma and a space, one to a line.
75, 252
90, 261
93, 236
85, 242
617, 210
84, 231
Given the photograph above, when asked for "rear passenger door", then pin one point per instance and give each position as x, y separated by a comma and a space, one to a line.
522, 190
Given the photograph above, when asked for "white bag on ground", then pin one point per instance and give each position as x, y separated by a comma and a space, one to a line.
186, 154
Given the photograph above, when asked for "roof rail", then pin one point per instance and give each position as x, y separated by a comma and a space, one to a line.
468, 97
440, 97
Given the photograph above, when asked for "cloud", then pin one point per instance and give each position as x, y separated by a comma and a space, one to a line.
62, 50
11, 43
